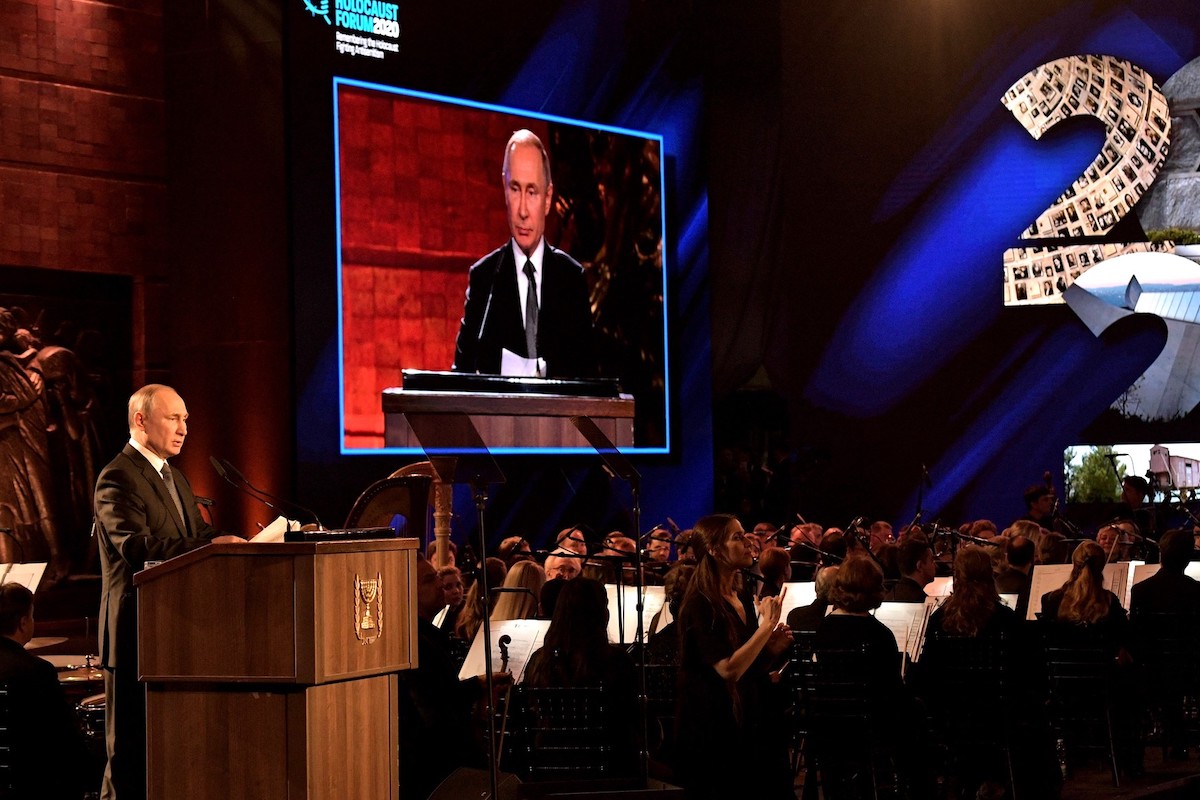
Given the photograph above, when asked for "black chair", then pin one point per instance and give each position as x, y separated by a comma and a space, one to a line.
563, 734
6, 753
1167, 649
977, 739
1081, 669
841, 743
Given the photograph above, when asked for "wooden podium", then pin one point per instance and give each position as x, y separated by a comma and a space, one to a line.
511, 420
269, 669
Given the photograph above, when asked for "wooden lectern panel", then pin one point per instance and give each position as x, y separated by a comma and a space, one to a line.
511, 420
328, 742
304, 613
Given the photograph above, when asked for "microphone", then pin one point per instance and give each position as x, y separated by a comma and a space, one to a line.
857, 522
226, 469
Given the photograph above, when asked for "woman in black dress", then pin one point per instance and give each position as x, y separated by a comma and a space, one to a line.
730, 717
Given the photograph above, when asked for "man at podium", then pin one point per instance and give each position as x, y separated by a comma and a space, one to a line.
145, 511
527, 310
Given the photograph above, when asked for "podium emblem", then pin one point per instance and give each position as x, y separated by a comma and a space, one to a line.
368, 608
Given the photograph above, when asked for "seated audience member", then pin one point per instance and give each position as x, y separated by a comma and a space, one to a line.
764, 534
551, 589
888, 556
1084, 603
807, 618
1039, 505
1016, 578
471, 616
917, 569
974, 611
576, 652
513, 549
563, 564
1083, 600
1172, 593
451, 550
1138, 496
42, 732
663, 645
1169, 590
658, 547
1053, 548
973, 608
983, 529
521, 592
833, 548
775, 566
572, 539
881, 534
857, 589
452, 589
436, 709
1030, 530
1116, 539
685, 552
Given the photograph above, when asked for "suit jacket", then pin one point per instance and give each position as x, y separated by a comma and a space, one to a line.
1013, 581
42, 728
1166, 592
493, 319
807, 618
136, 521
907, 590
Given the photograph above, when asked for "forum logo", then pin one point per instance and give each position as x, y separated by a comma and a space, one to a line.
318, 9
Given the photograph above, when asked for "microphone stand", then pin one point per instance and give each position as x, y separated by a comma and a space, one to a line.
618, 466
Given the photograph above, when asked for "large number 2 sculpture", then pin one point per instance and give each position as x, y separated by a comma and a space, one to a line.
1074, 234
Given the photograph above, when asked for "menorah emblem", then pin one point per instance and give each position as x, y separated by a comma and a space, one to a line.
368, 608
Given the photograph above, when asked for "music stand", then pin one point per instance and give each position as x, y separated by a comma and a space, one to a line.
619, 467
457, 453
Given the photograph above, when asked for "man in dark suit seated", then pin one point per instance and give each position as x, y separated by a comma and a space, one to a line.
1169, 590
145, 511
1158, 639
917, 569
47, 753
1017, 578
807, 618
527, 297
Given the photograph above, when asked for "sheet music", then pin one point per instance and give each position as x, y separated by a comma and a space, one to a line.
28, 575
939, 587
527, 636
1046, 578
653, 599
799, 593
904, 620
1142, 570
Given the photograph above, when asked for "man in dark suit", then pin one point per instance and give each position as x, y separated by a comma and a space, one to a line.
46, 745
1165, 609
145, 511
807, 618
527, 297
917, 569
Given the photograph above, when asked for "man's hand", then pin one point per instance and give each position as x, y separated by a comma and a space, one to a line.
227, 540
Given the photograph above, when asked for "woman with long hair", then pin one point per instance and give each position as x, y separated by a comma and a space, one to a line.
471, 616
1083, 600
576, 652
729, 722
974, 606
524, 580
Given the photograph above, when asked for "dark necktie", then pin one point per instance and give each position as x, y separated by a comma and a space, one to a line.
531, 312
169, 479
